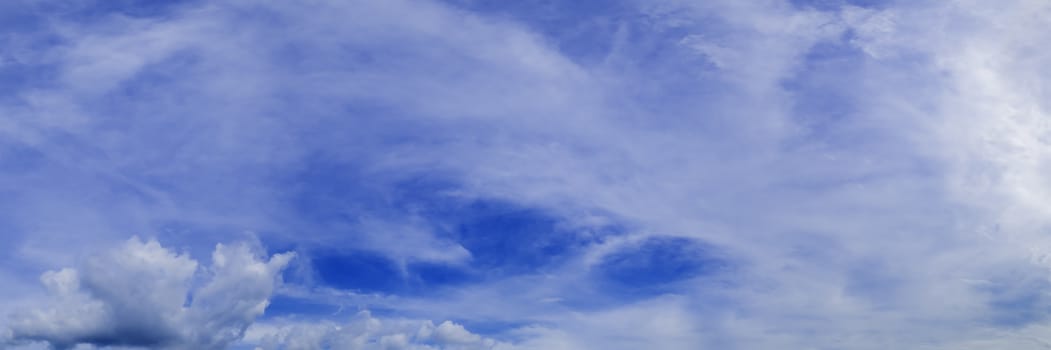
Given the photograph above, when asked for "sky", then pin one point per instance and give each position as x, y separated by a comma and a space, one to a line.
525, 175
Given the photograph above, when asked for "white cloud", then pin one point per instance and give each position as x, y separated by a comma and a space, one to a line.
867, 237
366, 332
137, 295
850, 242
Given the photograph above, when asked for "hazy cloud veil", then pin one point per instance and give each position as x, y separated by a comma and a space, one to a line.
540, 174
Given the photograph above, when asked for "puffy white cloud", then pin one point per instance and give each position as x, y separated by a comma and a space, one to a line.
143, 294
366, 332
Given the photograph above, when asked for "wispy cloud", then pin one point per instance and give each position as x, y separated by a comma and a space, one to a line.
645, 174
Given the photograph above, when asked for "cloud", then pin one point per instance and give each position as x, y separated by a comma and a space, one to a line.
875, 174
365, 332
143, 295
845, 224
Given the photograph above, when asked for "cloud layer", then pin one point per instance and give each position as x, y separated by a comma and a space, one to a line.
539, 175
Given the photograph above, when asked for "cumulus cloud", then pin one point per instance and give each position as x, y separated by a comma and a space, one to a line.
144, 295
366, 332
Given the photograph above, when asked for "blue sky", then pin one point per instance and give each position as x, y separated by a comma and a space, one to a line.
540, 174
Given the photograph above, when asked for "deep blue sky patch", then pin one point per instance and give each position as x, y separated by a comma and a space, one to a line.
655, 265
